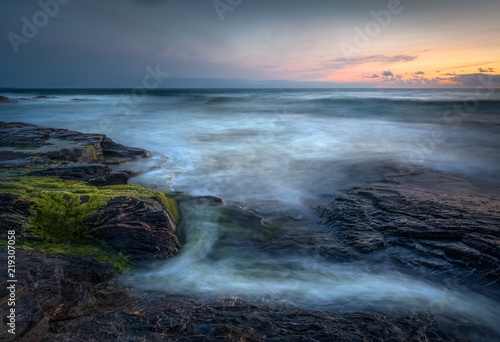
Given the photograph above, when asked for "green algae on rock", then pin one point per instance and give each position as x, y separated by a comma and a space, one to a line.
60, 207
73, 203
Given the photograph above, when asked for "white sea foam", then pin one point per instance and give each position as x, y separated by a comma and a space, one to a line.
272, 150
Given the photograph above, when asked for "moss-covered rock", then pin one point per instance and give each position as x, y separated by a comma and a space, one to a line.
76, 203
59, 209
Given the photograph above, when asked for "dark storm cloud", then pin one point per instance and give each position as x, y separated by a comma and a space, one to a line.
387, 74
420, 73
372, 76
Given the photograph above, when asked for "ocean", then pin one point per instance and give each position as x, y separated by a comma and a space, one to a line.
288, 146
280, 153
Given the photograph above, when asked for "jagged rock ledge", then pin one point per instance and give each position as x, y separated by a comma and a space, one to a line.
27, 146
428, 220
76, 221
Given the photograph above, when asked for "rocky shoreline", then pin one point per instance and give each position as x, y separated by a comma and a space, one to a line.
442, 222
67, 279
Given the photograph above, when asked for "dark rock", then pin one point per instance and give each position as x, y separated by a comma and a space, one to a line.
14, 212
5, 125
68, 298
197, 200
89, 154
15, 204
21, 163
157, 317
4, 99
432, 263
92, 174
50, 288
117, 153
489, 244
12, 155
117, 178
84, 198
234, 215
44, 97
66, 145
142, 231
65, 298
81, 100
17, 134
74, 171
458, 225
112, 178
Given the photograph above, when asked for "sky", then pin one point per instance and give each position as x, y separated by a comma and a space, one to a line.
249, 43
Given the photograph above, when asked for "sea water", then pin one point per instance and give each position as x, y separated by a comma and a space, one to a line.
280, 152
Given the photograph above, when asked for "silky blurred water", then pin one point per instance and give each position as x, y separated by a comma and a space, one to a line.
281, 145
283, 151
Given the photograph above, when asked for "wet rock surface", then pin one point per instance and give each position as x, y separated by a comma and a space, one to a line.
426, 220
67, 298
157, 317
14, 212
76, 299
24, 146
92, 174
49, 288
108, 312
142, 231
62, 287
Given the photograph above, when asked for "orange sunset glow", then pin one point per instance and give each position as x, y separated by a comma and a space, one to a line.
379, 43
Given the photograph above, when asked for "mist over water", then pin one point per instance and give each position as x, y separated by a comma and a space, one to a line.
281, 145
216, 263
279, 153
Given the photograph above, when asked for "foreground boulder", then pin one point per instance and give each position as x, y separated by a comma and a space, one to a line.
46, 206
143, 231
126, 223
